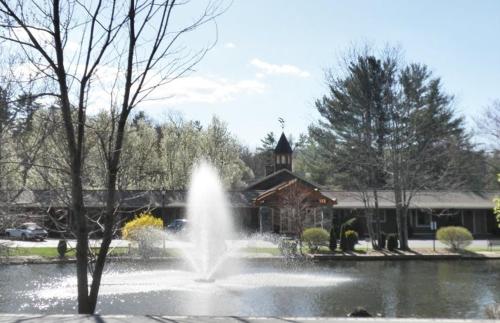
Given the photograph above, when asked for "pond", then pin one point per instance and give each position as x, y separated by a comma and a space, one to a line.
454, 289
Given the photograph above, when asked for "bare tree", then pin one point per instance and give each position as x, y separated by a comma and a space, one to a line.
489, 124
101, 54
295, 199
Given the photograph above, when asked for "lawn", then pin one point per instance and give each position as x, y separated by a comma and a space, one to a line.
50, 252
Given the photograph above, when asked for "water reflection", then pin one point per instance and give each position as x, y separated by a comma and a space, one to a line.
458, 289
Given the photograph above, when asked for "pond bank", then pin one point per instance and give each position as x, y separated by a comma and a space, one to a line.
263, 257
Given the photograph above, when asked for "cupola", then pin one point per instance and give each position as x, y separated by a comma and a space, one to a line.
283, 154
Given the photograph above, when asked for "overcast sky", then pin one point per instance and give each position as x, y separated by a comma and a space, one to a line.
270, 57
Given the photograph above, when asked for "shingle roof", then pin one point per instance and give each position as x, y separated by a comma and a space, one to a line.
276, 178
283, 146
424, 199
126, 199
154, 198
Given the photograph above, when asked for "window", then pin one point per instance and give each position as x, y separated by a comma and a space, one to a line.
283, 159
382, 216
423, 219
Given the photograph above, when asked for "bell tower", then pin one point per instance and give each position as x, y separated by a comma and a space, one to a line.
283, 154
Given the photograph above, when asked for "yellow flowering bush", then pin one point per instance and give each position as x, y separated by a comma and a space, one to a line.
136, 228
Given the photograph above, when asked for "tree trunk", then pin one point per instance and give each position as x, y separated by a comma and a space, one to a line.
376, 245
400, 217
369, 225
82, 245
404, 224
113, 163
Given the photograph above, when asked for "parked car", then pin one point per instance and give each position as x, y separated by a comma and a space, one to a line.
27, 231
178, 225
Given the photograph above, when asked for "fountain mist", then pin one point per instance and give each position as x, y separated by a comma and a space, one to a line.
210, 221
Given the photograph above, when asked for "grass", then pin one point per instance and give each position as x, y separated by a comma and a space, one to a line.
51, 252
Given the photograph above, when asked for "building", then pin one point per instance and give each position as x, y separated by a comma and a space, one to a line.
271, 204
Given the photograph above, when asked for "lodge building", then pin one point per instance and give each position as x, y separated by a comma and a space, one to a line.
267, 205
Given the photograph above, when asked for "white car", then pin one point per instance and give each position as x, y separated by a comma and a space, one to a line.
26, 231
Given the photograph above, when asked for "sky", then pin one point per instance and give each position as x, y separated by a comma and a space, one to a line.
270, 58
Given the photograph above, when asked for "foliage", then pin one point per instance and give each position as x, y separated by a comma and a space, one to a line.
134, 229
145, 229
161, 155
389, 125
62, 247
4, 249
351, 239
455, 237
315, 237
287, 247
492, 311
155, 155
392, 241
347, 225
333, 240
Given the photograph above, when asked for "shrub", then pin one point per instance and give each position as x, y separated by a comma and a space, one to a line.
315, 237
145, 230
347, 225
351, 238
62, 247
333, 240
288, 247
392, 241
4, 249
454, 237
134, 229
492, 311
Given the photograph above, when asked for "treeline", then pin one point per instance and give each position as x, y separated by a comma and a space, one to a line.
156, 155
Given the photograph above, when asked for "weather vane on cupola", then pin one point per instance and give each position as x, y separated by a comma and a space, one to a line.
282, 123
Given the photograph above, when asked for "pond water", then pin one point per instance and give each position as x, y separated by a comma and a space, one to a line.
455, 289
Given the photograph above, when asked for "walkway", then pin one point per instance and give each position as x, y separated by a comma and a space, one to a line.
6, 318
